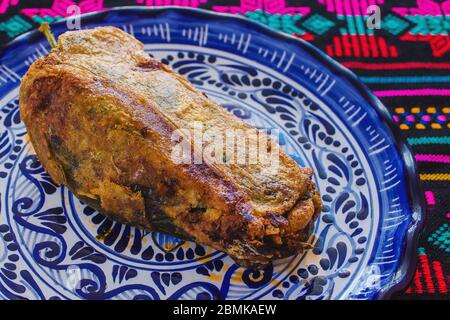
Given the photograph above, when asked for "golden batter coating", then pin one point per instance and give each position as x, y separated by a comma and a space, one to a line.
101, 114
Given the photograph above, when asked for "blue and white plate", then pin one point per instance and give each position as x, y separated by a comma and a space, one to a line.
52, 246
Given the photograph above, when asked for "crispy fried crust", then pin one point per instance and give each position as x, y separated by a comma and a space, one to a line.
100, 114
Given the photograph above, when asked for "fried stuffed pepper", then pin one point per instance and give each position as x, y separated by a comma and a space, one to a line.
101, 115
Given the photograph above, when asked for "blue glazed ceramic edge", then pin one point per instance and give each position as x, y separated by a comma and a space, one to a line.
406, 267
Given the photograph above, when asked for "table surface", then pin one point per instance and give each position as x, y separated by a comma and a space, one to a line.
406, 63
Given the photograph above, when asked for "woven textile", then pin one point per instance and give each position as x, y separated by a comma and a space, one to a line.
405, 62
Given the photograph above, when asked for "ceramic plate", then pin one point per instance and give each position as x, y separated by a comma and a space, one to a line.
52, 246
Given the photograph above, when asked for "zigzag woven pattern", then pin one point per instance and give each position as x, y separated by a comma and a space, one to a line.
405, 62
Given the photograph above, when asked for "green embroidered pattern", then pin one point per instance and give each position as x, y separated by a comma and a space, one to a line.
15, 26
441, 238
48, 19
429, 140
283, 22
433, 25
394, 24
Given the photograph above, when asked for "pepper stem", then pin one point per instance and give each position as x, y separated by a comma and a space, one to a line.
46, 30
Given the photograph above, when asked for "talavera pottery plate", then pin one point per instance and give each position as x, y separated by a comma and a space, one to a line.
52, 246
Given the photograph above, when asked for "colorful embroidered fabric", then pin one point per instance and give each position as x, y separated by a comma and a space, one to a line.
406, 63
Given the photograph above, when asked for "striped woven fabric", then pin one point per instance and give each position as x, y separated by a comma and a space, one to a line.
406, 62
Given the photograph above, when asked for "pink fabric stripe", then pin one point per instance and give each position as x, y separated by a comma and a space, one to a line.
429, 197
433, 158
5, 4
413, 92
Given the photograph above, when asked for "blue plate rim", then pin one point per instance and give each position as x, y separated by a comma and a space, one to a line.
407, 265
